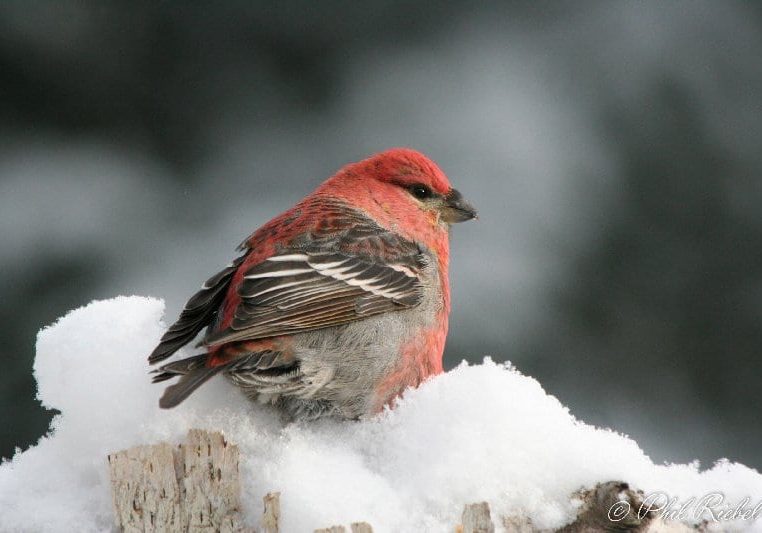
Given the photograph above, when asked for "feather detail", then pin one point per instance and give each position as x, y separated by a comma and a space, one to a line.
322, 278
198, 313
361, 246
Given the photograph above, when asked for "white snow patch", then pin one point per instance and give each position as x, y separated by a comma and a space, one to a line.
482, 432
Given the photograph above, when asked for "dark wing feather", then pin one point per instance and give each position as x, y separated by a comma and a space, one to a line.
325, 280
198, 313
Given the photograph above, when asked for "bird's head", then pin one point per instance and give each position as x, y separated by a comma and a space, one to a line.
405, 186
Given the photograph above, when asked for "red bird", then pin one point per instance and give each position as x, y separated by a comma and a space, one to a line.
335, 306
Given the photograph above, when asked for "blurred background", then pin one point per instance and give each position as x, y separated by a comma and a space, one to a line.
614, 151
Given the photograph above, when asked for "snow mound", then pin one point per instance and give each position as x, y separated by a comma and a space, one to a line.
482, 432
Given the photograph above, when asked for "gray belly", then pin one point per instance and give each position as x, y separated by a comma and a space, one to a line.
339, 368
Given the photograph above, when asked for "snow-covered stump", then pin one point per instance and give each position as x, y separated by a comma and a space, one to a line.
601, 504
610, 506
477, 433
192, 487
195, 487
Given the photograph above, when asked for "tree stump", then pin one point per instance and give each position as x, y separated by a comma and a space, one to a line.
193, 487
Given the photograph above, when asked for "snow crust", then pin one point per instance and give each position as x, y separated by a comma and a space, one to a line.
480, 432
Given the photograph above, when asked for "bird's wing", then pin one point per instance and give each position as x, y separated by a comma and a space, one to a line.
198, 313
344, 269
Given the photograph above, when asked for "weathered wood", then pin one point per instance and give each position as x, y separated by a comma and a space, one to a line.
518, 524
271, 515
210, 482
476, 519
194, 487
610, 506
144, 489
596, 511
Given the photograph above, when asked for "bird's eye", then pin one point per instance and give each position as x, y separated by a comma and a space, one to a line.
420, 191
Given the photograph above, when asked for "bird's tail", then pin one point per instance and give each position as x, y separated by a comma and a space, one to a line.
193, 373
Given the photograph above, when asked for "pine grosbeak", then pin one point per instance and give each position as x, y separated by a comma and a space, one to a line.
335, 306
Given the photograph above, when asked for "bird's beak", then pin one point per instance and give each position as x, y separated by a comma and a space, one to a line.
456, 209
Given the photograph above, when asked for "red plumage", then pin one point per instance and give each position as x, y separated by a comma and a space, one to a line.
337, 304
